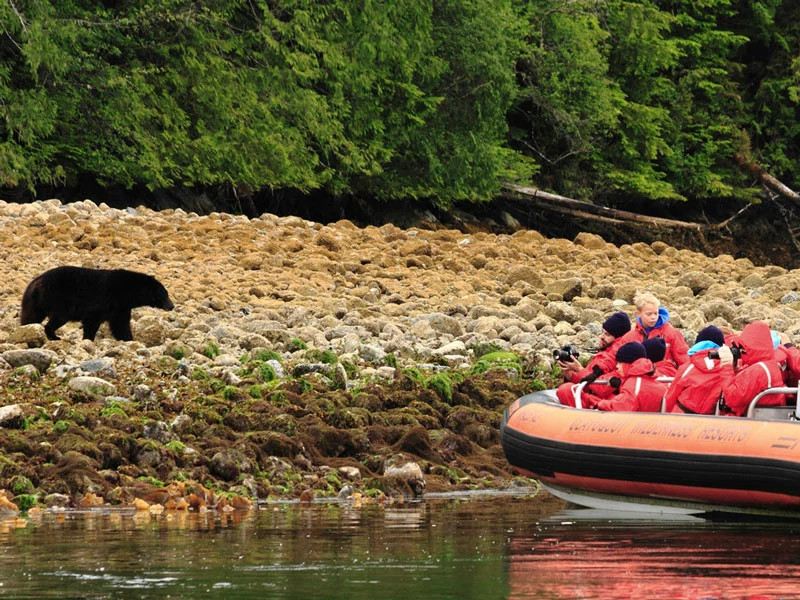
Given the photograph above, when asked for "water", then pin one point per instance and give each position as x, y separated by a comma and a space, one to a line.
486, 547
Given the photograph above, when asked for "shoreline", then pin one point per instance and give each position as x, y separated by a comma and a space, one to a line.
302, 358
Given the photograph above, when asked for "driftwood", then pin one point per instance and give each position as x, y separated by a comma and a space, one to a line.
588, 210
767, 180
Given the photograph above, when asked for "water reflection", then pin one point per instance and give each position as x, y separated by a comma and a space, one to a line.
581, 554
502, 547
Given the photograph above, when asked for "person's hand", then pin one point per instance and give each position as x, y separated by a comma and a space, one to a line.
572, 366
725, 356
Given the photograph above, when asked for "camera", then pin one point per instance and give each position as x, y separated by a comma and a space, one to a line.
736, 351
566, 353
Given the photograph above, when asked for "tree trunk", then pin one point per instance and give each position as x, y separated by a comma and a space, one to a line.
588, 210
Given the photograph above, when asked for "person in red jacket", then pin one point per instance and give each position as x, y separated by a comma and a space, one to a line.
639, 388
758, 370
790, 361
697, 385
652, 320
601, 364
656, 350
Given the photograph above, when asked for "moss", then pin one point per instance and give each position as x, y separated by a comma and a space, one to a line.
483, 348
20, 485
176, 446
442, 384
210, 349
114, 409
390, 360
60, 426
266, 372
325, 356
266, 355
25, 502
297, 344
151, 481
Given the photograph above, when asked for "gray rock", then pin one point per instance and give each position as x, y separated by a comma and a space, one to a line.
93, 388
11, 416
158, 431
41, 359
409, 472
99, 366
228, 464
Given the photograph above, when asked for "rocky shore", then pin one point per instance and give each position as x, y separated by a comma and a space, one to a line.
305, 360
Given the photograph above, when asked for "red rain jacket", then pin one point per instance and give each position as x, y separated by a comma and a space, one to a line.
759, 370
697, 386
606, 361
677, 348
640, 391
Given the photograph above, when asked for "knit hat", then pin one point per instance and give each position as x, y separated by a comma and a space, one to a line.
617, 324
710, 333
655, 348
630, 352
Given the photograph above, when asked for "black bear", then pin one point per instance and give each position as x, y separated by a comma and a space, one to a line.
90, 296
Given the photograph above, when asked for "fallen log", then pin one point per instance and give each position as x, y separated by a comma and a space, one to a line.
767, 180
588, 210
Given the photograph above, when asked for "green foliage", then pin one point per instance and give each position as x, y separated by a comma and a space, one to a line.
266, 355
25, 502
150, 480
210, 349
176, 446
266, 372
500, 360
390, 99
635, 99
442, 384
390, 360
114, 409
324, 356
298, 344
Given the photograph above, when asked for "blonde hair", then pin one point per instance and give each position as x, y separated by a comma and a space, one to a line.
645, 298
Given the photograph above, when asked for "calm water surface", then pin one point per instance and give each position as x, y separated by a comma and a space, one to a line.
486, 547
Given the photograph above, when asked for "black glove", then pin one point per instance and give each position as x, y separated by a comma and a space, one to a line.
591, 377
615, 382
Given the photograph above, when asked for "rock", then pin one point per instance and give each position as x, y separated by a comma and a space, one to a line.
409, 472
158, 431
228, 464
567, 289
41, 359
92, 388
11, 416
351, 473
32, 336
697, 281
100, 366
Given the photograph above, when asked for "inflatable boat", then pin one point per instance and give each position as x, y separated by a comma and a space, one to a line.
659, 462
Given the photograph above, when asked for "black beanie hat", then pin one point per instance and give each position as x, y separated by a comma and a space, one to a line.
711, 333
617, 324
655, 348
630, 352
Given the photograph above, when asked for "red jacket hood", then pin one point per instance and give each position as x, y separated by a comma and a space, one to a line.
702, 362
641, 366
756, 341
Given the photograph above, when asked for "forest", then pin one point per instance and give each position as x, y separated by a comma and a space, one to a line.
650, 101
